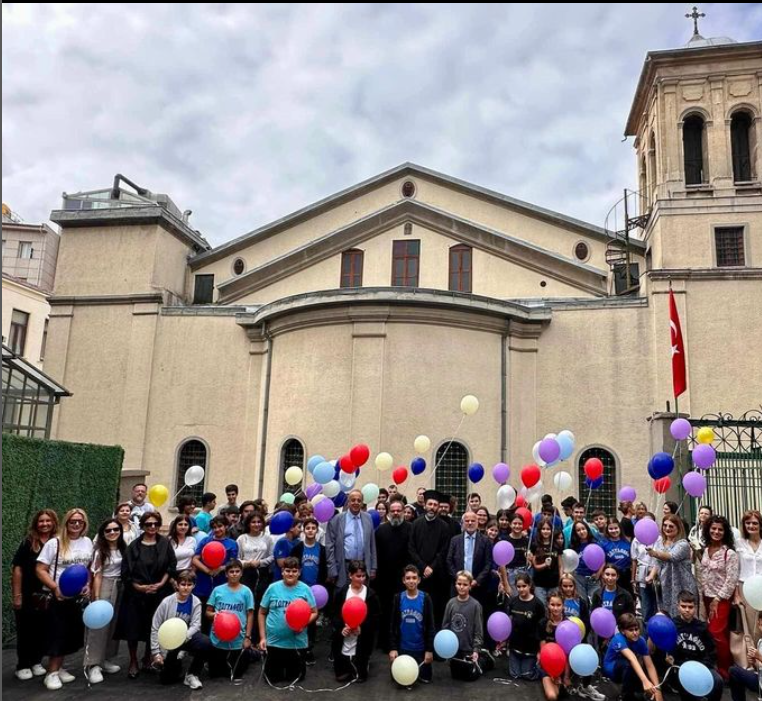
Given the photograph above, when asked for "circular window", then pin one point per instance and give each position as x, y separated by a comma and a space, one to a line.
408, 188
581, 251
239, 266
543, 283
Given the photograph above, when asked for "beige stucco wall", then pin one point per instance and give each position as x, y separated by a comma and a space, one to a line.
34, 303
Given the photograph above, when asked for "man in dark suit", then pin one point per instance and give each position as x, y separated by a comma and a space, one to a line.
350, 536
470, 551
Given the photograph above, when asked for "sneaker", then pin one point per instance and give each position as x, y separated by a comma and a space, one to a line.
53, 682
192, 681
111, 668
65, 677
590, 692
181, 655
38, 670
24, 674
95, 676
309, 657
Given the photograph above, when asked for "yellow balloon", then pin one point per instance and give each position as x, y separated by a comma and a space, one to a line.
580, 624
469, 405
293, 475
172, 633
384, 461
405, 670
705, 435
422, 444
158, 494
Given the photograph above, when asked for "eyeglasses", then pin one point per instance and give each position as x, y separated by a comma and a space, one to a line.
151, 524
76, 522
112, 530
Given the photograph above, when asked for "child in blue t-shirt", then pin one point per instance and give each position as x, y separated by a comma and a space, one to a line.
284, 547
412, 630
314, 570
617, 549
628, 661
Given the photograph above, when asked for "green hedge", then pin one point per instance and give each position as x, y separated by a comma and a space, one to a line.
39, 474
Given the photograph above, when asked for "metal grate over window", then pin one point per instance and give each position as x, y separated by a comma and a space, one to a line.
291, 454
192, 453
452, 472
728, 241
604, 497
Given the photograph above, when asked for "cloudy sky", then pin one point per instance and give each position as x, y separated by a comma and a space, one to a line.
244, 113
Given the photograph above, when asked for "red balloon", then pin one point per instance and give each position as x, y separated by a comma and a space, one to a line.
226, 626
213, 554
346, 464
530, 475
662, 485
354, 611
593, 468
359, 454
553, 659
520, 501
526, 514
298, 614
399, 475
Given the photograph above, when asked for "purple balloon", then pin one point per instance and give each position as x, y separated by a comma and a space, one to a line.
499, 626
680, 429
321, 595
501, 472
603, 622
324, 510
646, 531
594, 556
313, 490
694, 483
503, 553
704, 456
627, 494
568, 635
549, 450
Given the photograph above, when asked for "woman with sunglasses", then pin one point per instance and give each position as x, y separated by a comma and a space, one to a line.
672, 557
749, 549
66, 630
148, 565
100, 647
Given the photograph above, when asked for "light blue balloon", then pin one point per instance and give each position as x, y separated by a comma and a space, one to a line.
323, 473
696, 678
583, 659
98, 614
198, 536
313, 462
446, 644
567, 446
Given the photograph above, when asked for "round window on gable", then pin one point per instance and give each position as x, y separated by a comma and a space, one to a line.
581, 251
408, 189
239, 266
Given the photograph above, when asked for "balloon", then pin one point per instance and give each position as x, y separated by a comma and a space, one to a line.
399, 475
501, 472
199, 535
422, 444
354, 611
332, 488
696, 679
476, 472
298, 614
405, 670
506, 496
158, 494
446, 644
570, 560
339, 500
566, 444
536, 454
469, 405
662, 631
603, 622
568, 635
323, 473
526, 514
530, 476
752, 591
662, 464
579, 623
562, 481
321, 595
72, 580
694, 483
313, 490
503, 553
647, 531
662, 486
593, 468
173, 633
384, 461
287, 498
347, 481
520, 500
213, 553
680, 429
359, 454
549, 450
499, 626
705, 435
704, 456
594, 484
346, 464
281, 522
98, 614
375, 517
313, 462
226, 626
583, 660
627, 494
293, 475
194, 475
370, 492
324, 511
593, 556
553, 660
417, 466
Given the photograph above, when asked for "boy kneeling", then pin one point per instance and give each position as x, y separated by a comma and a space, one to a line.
628, 661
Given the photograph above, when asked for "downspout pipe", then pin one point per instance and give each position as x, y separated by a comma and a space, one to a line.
265, 408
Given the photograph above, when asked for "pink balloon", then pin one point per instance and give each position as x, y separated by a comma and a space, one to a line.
324, 510
503, 553
694, 483
501, 472
627, 494
646, 531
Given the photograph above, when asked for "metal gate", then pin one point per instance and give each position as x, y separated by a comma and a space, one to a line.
734, 483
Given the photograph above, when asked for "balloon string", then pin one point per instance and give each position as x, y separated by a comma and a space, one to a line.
454, 435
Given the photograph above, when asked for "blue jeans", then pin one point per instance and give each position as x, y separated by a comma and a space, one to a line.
647, 597
740, 681
523, 666
586, 586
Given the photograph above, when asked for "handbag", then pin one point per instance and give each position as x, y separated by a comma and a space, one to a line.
741, 641
41, 600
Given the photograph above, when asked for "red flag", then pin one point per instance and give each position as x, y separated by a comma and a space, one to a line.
679, 379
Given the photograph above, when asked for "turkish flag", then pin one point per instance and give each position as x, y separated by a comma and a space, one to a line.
679, 378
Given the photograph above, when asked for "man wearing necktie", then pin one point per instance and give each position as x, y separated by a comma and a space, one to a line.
350, 536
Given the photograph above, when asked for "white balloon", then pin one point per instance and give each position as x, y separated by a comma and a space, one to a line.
317, 498
194, 475
506, 496
752, 590
535, 492
549, 435
569, 560
384, 461
422, 444
536, 454
331, 489
562, 481
347, 479
293, 475
568, 434
469, 405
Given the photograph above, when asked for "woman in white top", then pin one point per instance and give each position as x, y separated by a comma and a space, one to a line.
123, 515
749, 549
255, 550
182, 542
100, 646
66, 630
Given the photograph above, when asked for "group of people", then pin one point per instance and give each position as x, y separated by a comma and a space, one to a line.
420, 570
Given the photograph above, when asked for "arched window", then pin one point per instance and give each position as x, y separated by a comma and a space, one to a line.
461, 268
451, 476
292, 453
604, 497
192, 452
693, 150
741, 138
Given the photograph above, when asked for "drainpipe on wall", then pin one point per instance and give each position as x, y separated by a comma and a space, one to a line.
503, 399
265, 409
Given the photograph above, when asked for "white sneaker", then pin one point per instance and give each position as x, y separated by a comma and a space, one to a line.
24, 674
590, 692
111, 668
95, 676
192, 681
38, 670
53, 681
65, 676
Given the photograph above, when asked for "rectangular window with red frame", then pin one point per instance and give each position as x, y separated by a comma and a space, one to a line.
351, 268
405, 263
460, 268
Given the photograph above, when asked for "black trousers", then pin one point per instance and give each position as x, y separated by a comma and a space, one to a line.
30, 636
284, 665
199, 646
227, 663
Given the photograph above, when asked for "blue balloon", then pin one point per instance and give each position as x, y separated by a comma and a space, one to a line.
567, 447
417, 466
475, 472
281, 522
323, 473
313, 462
663, 632
696, 678
594, 484
583, 659
661, 465
446, 644
375, 517
98, 614
339, 500
72, 580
